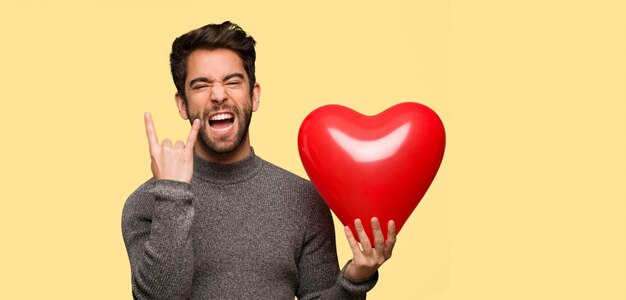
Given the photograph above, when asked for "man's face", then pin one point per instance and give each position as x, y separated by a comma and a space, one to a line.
218, 93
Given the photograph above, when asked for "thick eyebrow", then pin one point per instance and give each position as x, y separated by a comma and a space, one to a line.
239, 75
204, 79
199, 79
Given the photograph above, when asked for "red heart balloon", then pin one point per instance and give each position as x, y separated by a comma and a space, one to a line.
372, 166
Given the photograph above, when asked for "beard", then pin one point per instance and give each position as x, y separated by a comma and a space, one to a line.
223, 145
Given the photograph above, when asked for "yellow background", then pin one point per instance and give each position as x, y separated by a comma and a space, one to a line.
530, 201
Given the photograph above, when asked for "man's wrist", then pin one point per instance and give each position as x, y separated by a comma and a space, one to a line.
352, 273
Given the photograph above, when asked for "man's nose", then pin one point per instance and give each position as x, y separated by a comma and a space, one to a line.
218, 93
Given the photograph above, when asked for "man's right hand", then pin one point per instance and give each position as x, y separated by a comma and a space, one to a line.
173, 162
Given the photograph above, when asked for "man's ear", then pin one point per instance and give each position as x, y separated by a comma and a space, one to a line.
182, 106
256, 96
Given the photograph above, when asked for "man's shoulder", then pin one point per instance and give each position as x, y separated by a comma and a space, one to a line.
275, 171
141, 198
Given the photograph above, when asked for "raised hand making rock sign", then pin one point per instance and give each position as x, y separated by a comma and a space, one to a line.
172, 162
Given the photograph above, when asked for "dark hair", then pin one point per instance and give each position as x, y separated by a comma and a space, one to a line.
213, 36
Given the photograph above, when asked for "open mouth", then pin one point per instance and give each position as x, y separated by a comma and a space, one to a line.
221, 122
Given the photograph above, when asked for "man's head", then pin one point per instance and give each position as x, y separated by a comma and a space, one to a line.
213, 69
210, 37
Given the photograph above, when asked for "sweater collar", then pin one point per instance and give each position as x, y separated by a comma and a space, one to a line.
226, 173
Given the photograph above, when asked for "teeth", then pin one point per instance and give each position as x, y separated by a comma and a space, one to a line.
223, 129
221, 117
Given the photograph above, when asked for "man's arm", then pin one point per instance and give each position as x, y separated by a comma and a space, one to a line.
157, 219
156, 225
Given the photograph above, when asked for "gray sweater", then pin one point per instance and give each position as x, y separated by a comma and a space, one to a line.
248, 230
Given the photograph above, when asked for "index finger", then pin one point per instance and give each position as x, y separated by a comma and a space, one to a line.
354, 245
153, 142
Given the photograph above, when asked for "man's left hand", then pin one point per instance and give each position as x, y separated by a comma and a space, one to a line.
367, 260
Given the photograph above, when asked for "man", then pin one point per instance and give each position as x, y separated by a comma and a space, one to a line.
218, 222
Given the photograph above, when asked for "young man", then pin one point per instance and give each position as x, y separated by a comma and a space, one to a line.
218, 222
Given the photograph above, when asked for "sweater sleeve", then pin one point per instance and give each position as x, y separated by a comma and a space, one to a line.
318, 268
156, 225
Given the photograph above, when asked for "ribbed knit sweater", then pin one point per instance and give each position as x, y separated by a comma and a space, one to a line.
247, 230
